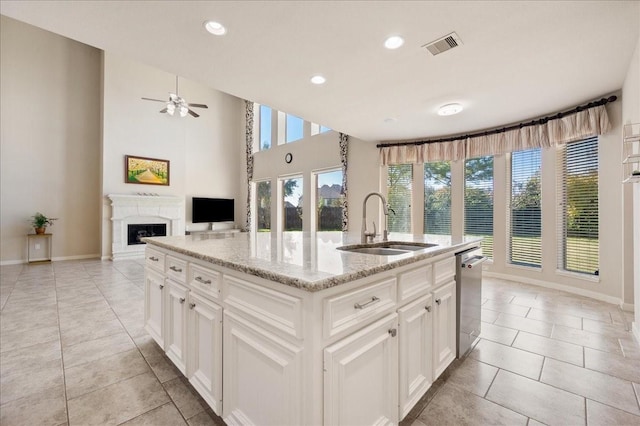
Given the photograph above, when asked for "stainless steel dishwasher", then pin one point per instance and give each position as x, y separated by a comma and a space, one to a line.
469, 296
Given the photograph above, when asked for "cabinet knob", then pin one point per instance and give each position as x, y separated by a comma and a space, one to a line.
428, 308
393, 332
161, 286
182, 300
438, 301
192, 305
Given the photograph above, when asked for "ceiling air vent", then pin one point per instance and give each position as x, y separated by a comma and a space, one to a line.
443, 44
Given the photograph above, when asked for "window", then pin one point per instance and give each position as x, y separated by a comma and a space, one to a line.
265, 128
525, 225
292, 204
295, 126
329, 201
399, 192
478, 201
578, 207
324, 129
437, 198
263, 206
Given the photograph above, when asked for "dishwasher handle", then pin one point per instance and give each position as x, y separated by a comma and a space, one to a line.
474, 262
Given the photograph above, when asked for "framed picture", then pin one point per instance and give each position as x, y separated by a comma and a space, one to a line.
147, 171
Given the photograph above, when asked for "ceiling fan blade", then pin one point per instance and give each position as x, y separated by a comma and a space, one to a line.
198, 105
150, 99
194, 114
163, 110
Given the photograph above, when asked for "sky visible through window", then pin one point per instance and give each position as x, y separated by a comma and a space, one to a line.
265, 127
330, 178
294, 128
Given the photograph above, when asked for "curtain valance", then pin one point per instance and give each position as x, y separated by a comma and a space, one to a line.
546, 133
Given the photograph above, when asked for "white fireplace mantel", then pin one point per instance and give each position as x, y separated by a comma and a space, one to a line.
140, 209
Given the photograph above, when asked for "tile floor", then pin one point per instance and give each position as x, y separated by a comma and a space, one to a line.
73, 351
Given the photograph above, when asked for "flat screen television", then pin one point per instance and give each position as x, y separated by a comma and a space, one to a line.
206, 210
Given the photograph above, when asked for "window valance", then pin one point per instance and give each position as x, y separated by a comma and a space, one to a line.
589, 120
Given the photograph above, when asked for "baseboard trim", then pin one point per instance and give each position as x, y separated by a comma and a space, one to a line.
556, 286
55, 259
636, 331
627, 307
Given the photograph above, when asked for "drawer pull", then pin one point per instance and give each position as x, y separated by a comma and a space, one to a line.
182, 300
393, 332
438, 301
428, 308
161, 286
175, 268
373, 300
153, 259
203, 281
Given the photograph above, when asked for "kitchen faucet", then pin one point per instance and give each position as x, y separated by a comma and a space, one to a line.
369, 236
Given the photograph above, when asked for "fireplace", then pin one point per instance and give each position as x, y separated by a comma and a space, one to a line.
148, 215
138, 231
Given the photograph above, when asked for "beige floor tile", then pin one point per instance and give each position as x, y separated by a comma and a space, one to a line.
489, 316
94, 375
591, 384
417, 422
586, 338
208, 418
556, 349
185, 397
525, 324
506, 308
95, 349
611, 330
119, 402
614, 365
18, 386
453, 406
508, 358
25, 360
533, 422
473, 376
604, 415
165, 415
498, 334
29, 319
90, 330
636, 388
42, 409
163, 368
630, 348
10, 340
555, 318
539, 401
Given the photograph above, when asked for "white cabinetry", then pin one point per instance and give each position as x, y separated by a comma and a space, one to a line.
444, 327
415, 363
631, 162
176, 324
361, 377
205, 349
154, 305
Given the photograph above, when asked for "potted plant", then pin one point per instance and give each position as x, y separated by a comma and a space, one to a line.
40, 222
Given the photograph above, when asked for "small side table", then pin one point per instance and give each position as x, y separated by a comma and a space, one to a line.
32, 239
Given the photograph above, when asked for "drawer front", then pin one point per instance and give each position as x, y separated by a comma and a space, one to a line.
206, 280
444, 270
154, 259
415, 283
271, 308
355, 307
176, 269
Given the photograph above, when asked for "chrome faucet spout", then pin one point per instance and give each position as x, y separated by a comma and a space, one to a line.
365, 234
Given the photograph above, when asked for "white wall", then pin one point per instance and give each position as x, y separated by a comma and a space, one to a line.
50, 140
202, 151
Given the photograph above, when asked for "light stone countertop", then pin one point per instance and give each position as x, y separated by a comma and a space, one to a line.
310, 262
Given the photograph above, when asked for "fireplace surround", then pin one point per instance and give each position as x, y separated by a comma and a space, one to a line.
147, 210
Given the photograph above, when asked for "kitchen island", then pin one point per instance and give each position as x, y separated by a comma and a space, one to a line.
288, 329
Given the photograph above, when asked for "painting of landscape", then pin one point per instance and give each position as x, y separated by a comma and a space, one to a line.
149, 171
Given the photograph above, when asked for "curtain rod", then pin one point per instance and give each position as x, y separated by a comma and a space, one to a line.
543, 120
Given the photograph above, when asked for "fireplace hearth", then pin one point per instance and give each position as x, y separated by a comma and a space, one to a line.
136, 232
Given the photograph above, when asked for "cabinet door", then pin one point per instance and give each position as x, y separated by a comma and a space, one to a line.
361, 377
416, 351
154, 305
176, 323
262, 376
205, 350
444, 327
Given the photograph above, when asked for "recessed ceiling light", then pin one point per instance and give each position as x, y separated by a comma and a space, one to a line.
393, 42
318, 79
449, 109
390, 120
215, 28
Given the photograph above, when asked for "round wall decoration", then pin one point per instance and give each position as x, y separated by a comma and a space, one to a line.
288, 158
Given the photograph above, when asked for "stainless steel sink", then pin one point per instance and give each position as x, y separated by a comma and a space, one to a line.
391, 248
408, 246
380, 251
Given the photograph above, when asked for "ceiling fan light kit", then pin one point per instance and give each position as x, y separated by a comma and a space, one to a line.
178, 104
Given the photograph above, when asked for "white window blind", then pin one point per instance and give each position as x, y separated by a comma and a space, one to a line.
399, 193
525, 224
578, 244
478, 201
263, 206
437, 198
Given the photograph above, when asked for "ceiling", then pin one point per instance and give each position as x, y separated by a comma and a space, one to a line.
519, 59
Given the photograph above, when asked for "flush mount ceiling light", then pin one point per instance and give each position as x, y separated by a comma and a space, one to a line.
318, 79
391, 120
449, 109
215, 28
393, 42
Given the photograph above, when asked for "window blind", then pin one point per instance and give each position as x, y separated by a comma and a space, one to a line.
578, 243
399, 193
437, 198
525, 224
478, 201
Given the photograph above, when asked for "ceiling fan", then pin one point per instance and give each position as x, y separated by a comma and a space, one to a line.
178, 105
